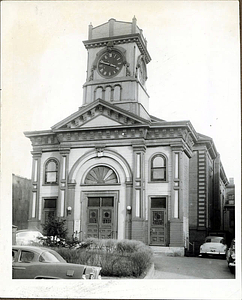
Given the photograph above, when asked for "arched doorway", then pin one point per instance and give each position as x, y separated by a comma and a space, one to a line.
100, 176
101, 205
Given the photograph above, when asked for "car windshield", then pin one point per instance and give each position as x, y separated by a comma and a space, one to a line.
214, 239
48, 257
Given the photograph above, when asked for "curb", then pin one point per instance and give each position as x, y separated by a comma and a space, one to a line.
151, 272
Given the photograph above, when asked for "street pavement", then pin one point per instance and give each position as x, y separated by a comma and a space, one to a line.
182, 267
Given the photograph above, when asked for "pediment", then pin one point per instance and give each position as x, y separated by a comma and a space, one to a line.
99, 114
101, 120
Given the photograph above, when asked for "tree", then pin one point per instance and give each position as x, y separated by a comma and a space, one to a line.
55, 227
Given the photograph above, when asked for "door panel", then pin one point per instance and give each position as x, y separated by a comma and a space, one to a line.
158, 227
92, 228
100, 219
106, 224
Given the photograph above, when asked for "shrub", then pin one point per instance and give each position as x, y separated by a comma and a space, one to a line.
55, 227
120, 258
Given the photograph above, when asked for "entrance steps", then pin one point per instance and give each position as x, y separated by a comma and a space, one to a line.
169, 251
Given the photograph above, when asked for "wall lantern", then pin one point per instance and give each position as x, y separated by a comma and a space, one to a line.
129, 208
69, 209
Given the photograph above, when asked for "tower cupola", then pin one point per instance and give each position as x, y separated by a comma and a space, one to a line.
116, 67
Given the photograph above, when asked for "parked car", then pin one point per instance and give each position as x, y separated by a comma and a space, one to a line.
213, 245
231, 256
31, 262
29, 237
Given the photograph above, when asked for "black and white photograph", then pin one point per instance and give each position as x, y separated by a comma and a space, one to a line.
120, 150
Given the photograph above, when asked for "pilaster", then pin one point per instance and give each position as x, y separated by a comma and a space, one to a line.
35, 204
62, 199
176, 221
138, 206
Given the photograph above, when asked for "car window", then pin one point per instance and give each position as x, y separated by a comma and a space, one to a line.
14, 254
26, 256
48, 257
214, 240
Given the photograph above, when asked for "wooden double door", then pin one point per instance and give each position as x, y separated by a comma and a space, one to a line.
101, 217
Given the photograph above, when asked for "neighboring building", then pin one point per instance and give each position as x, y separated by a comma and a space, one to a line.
207, 191
229, 210
21, 195
113, 170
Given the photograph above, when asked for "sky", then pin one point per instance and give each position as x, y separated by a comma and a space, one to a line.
194, 73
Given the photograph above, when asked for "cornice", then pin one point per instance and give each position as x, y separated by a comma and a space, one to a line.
121, 39
80, 137
209, 145
39, 133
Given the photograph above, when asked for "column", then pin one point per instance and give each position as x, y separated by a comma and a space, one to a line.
36, 203
176, 218
139, 231
62, 199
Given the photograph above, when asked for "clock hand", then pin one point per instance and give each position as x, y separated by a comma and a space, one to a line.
105, 63
111, 65
108, 64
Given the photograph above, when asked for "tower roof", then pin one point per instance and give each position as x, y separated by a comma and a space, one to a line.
118, 32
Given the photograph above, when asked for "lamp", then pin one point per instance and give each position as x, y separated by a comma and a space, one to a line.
129, 208
69, 209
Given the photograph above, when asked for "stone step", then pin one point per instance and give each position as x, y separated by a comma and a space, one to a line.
169, 251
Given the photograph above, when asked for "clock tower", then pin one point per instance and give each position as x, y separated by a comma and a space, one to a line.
116, 67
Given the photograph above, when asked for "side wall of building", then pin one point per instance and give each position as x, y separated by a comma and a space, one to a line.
21, 193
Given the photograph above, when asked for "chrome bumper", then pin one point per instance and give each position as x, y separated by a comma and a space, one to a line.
232, 264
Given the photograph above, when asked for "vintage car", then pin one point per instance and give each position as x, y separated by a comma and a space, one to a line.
31, 262
213, 245
29, 237
230, 256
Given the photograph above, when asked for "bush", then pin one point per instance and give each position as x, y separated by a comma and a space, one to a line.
120, 258
55, 227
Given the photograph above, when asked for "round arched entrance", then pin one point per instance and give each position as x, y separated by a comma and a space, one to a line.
101, 194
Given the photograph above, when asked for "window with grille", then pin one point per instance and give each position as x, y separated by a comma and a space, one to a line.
158, 168
101, 175
51, 171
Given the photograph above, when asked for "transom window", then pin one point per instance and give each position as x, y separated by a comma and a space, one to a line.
51, 171
101, 175
49, 209
158, 202
158, 168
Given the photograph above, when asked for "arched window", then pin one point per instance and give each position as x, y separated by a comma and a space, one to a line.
98, 93
158, 168
101, 175
51, 171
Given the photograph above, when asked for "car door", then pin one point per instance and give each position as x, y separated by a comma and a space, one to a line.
22, 267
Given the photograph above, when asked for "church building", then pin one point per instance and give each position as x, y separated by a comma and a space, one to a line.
111, 169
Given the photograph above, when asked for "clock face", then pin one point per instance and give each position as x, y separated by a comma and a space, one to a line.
110, 64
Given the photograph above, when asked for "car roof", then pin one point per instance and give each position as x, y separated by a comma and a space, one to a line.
28, 230
31, 248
